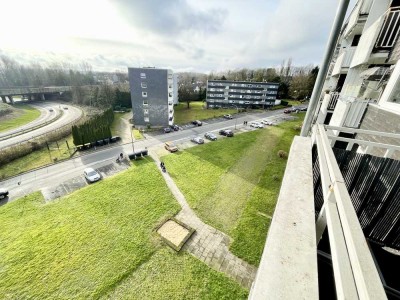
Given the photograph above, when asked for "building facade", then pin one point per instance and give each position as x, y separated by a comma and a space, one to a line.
152, 94
362, 89
243, 94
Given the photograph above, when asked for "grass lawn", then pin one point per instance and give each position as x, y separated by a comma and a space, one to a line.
233, 184
182, 115
23, 115
118, 124
136, 134
38, 158
100, 242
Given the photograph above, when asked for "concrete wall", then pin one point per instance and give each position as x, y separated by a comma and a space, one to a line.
379, 119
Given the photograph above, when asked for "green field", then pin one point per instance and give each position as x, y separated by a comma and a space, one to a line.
233, 184
21, 116
183, 115
38, 158
100, 242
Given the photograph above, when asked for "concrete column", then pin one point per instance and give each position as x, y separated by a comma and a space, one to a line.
10, 98
30, 97
4, 99
42, 97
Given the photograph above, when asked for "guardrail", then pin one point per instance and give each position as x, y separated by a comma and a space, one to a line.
5, 137
356, 275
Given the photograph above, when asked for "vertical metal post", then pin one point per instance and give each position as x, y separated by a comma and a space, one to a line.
133, 148
337, 25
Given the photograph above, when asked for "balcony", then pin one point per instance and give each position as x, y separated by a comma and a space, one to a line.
389, 30
343, 199
334, 97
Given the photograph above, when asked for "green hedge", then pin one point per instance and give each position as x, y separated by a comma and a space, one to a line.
95, 129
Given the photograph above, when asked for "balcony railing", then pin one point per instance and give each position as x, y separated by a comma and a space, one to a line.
348, 57
389, 30
333, 101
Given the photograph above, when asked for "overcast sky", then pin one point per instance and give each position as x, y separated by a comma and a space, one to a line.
185, 35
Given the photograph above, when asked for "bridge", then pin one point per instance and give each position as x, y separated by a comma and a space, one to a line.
32, 93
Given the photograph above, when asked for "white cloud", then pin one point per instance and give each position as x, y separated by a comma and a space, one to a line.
184, 34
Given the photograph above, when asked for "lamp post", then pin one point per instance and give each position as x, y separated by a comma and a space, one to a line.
237, 112
133, 148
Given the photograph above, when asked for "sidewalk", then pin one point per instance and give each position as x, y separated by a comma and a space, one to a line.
207, 243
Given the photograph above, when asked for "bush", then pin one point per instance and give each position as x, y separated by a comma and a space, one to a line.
282, 154
297, 127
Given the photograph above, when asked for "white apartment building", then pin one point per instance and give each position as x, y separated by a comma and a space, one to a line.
362, 89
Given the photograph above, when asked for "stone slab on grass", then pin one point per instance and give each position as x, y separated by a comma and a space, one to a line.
175, 233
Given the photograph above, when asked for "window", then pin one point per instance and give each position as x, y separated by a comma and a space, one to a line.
143, 75
144, 94
169, 94
356, 40
146, 119
144, 85
145, 102
146, 111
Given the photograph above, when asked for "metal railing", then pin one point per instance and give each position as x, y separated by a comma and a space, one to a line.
356, 275
389, 149
333, 100
390, 29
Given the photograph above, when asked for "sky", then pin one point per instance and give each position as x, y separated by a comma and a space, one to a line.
184, 35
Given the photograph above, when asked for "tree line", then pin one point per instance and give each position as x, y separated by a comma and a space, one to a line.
95, 129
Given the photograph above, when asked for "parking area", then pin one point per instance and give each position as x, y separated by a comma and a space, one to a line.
73, 184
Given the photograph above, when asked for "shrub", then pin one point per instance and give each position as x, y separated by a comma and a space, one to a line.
282, 154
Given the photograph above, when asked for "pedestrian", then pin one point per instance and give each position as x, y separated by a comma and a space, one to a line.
121, 155
244, 122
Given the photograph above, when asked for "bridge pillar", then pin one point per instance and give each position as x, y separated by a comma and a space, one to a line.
30, 97
4, 99
10, 98
42, 97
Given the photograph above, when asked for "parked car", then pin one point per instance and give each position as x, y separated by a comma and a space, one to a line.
267, 122
197, 123
211, 136
51, 110
3, 193
256, 125
228, 116
170, 146
226, 132
91, 175
174, 127
167, 130
65, 107
197, 140
303, 108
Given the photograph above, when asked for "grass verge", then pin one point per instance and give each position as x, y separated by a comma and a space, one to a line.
99, 241
38, 158
168, 275
183, 115
23, 115
136, 134
118, 125
233, 184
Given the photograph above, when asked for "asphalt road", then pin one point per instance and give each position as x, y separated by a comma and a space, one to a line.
58, 173
69, 115
45, 116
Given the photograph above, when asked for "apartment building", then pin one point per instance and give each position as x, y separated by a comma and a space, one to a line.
152, 94
362, 89
243, 94
335, 234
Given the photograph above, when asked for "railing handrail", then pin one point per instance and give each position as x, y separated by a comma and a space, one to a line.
348, 244
363, 131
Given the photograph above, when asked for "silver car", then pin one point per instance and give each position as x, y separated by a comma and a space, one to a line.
197, 140
3, 193
91, 175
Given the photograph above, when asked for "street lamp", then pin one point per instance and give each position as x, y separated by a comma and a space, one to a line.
237, 112
133, 148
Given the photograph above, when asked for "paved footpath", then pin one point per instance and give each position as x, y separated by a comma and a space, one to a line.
209, 244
